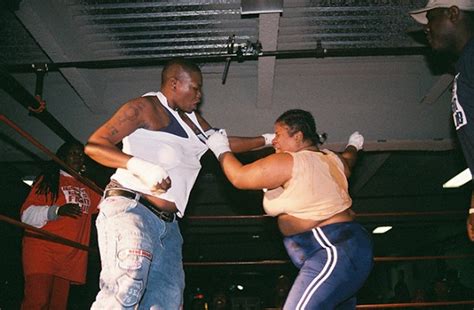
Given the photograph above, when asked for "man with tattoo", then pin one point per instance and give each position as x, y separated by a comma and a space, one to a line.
139, 238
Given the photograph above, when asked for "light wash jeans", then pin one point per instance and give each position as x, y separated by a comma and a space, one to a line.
141, 258
334, 262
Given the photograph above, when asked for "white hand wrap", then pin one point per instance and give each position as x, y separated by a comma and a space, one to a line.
268, 138
218, 143
150, 174
212, 131
356, 140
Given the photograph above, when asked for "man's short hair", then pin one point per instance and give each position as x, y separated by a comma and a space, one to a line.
184, 64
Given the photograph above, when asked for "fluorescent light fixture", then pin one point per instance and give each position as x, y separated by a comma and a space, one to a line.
381, 229
261, 6
28, 180
459, 180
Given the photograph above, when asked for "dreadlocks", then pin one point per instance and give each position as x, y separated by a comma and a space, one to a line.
48, 179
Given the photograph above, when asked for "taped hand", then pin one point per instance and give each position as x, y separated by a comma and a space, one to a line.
356, 140
218, 143
153, 176
268, 138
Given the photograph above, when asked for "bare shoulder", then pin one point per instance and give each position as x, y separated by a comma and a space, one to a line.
132, 111
135, 107
278, 161
156, 115
272, 171
140, 104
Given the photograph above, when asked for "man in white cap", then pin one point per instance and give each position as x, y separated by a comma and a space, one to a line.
449, 27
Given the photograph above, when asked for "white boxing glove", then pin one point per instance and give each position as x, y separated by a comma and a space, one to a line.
268, 138
356, 140
218, 143
150, 174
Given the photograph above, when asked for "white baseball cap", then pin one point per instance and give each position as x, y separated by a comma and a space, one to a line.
420, 14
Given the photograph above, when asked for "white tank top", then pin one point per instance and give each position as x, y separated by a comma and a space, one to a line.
179, 156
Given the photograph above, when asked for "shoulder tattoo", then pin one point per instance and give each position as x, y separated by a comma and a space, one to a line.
129, 113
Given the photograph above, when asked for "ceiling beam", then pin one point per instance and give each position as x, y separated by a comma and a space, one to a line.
58, 38
268, 35
438, 88
370, 169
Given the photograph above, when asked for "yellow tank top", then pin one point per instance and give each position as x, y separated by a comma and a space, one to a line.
317, 190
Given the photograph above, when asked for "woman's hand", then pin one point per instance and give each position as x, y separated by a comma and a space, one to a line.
70, 209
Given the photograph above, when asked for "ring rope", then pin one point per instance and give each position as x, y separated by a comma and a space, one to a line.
47, 234
50, 154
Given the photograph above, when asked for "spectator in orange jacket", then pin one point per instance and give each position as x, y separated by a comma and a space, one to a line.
62, 205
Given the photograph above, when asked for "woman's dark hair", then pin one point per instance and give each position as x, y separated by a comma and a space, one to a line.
300, 120
48, 179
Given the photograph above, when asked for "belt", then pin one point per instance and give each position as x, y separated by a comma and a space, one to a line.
165, 216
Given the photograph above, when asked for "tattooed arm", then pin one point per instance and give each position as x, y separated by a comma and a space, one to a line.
101, 145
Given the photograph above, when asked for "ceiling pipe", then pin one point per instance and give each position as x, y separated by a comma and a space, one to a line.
40, 73
230, 50
319, 52
23, 97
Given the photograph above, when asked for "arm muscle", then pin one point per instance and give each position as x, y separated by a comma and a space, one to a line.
101, 145
269, 172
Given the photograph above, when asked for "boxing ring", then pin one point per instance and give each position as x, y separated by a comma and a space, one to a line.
250, 264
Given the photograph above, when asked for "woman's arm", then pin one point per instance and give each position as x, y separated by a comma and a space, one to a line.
349, 156
240, 144
245, 144
37, 210
102, 144
269, 172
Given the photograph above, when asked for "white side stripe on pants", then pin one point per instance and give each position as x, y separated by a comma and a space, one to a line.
325, 273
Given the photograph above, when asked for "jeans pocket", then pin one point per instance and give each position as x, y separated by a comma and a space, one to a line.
113, 206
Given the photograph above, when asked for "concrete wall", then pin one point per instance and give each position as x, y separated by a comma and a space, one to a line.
379, 96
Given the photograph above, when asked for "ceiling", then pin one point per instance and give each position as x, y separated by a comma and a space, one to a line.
389, 186
153, 29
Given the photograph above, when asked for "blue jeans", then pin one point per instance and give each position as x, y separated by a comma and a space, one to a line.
334, 262
141, 258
